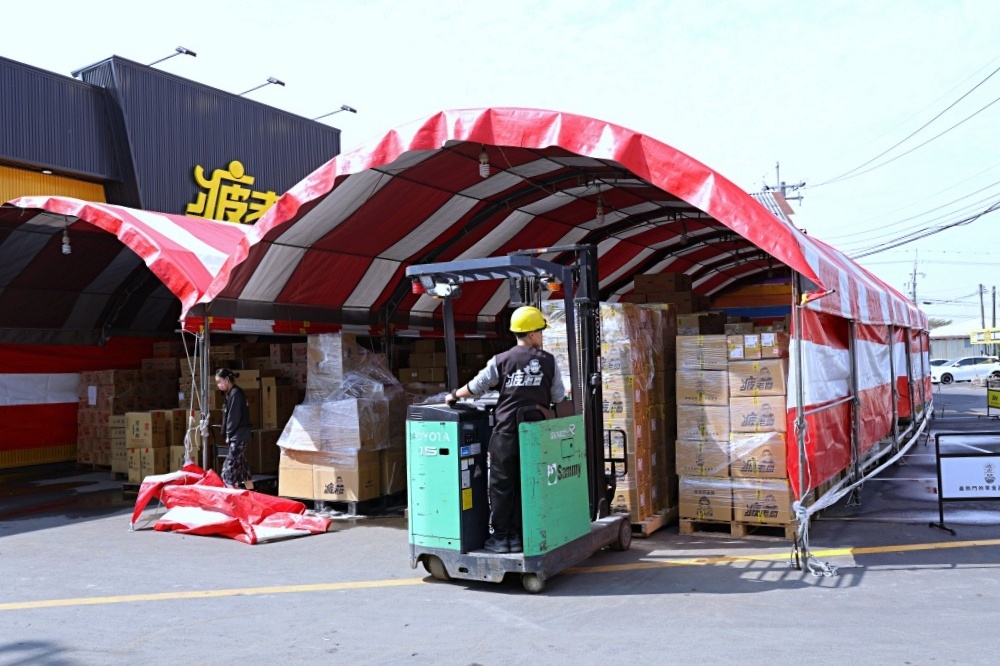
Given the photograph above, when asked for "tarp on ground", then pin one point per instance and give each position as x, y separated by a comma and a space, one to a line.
199, 503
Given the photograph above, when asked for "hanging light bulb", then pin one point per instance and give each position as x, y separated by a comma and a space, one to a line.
66, 248
600, 209
484, 164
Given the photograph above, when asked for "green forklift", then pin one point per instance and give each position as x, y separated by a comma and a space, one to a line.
568, 472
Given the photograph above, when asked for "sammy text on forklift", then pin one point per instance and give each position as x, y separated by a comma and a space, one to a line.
525, 376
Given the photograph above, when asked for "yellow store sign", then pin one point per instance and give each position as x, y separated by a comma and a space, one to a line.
227, 196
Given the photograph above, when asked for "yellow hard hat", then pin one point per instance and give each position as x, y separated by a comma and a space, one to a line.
527, 319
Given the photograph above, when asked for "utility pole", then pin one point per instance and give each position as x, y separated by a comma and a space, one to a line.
982, 307
913, 279
784, 187
994, 324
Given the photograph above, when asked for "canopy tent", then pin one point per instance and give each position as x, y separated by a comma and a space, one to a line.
125, 270
477, 183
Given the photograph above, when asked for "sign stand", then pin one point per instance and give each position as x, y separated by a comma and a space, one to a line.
992, 398
965, 477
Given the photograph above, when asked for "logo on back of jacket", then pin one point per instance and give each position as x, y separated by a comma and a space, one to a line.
531, 375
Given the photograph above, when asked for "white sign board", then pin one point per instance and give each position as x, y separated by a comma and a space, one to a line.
970, 477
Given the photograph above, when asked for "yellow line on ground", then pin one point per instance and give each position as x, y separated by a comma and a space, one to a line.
402, 582
209, 594
771, 557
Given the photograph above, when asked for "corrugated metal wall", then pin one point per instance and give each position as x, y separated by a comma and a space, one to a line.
53, 121
23, 182
174, 125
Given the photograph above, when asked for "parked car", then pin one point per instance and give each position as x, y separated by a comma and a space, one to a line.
966, 369
939, 361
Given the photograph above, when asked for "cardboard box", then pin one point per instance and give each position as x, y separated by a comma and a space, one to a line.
177, 454
263, 454
253, 401
146, 430
300, 350
280, 353
702, 387
646, 284
276, 403
428, 345
774, 345
702, 352
705, 498
154, 461
135, 465
119, 457
761, 455
392, 470
683, 302
169, 365
428, 360
764, 413
295, 475
618, 397
348, 483
753, 378
170, 349
703, 457
700, 422
175, 421
631, 501
763, 501
738, 328
743, 347
701, 323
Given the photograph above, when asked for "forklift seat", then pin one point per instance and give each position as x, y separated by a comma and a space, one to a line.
534, 413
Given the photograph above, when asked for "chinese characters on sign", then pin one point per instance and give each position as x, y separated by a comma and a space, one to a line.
227, 196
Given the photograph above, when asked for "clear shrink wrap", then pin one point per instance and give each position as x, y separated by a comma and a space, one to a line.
758, 455
703, 457
706, 498
702, 352
762, 501
329, 358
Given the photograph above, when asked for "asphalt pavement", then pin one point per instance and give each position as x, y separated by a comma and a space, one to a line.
79, 588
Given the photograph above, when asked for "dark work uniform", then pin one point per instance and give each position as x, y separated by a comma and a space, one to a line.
236, 430
525, 378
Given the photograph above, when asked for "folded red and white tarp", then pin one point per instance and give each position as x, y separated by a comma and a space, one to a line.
198, 502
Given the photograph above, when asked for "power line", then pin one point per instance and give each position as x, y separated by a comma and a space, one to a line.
930, 232
926, 225
847, 174
926, 212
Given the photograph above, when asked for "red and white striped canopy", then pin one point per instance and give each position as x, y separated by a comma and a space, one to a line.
107, 281
342, 238
334, 248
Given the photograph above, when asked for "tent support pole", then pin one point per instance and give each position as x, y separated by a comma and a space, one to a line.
923, 371
909, 375
852, 346
894, 392
800, 400
206, 371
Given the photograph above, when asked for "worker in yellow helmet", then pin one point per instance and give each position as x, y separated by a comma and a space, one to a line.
526, 376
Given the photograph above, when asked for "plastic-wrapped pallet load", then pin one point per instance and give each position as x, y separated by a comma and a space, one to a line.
706, 498
332, 447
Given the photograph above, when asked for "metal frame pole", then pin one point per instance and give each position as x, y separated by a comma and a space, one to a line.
451, 356
856, 402
206, 371
800, 394
895, 388
909, 374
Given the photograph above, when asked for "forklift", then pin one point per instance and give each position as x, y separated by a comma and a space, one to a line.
568, 473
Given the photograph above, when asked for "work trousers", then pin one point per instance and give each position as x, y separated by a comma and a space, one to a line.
505, 484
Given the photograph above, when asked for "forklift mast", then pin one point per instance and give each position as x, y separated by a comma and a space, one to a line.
527, 274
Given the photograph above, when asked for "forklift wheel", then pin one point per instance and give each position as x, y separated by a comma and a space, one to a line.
532, 583
435, 567
624, 535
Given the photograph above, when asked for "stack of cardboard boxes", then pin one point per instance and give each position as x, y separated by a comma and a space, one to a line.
638, 361
672, 288
155, 441
107, 393
731, 423
347, 441
423, 364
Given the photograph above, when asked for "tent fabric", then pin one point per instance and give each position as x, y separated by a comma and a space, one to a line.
416, 196
199, 503
113, 251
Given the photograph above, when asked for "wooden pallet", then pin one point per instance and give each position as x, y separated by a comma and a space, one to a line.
786, 532
370, 507
645, 527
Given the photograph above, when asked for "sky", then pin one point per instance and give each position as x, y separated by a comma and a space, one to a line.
819, 87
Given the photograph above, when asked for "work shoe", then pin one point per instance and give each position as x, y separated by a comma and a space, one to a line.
516, 544
495, 545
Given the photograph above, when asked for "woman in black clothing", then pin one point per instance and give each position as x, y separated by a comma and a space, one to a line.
235, 430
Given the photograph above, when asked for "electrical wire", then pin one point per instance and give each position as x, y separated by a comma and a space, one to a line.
848, 174
930, 232
926, 212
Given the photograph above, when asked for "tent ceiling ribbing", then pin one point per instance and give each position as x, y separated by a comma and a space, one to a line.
335, 247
